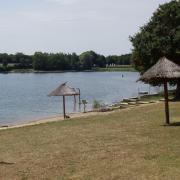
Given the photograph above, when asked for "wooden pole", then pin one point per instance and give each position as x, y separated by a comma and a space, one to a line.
74, 99
79, 95
166, 101
64, 107
74, 103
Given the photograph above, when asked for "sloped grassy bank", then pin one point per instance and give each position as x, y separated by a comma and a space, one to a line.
126, 144
135, 101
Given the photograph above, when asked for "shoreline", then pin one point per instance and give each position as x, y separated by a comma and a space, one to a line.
50, 119
108, 69
72, 116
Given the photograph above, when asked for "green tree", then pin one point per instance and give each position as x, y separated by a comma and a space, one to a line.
100, 61
84, 102
87, 59
4, 60
40, 61
124, 59
159, 37
113, 59
74, 62
21, 60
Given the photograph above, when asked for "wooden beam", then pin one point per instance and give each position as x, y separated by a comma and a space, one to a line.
166, 101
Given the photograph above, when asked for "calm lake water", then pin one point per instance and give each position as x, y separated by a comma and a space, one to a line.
23, 97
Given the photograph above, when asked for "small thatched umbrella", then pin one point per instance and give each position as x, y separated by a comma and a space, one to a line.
161, 72
64, 90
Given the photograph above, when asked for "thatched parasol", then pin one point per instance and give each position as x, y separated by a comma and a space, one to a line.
64, 90
161, 72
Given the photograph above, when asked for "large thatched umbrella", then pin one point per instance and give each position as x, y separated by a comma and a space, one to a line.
163, 71
64, 90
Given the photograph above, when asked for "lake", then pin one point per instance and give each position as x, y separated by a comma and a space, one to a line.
23, 97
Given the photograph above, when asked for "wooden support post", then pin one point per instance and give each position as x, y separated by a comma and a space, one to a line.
79, 95
74, 99
166, 101
74, 103
64, 107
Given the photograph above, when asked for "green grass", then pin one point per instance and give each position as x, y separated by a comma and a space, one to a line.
156, 96
22, 70
119, 68
130, 144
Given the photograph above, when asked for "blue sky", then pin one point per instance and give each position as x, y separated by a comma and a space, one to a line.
72, 25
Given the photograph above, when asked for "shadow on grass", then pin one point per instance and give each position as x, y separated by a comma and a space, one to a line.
6, 163
174, 100
175, 124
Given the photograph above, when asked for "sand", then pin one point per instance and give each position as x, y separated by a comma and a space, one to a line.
72, 116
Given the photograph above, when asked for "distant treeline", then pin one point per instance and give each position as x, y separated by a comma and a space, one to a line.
60, 61
17, 61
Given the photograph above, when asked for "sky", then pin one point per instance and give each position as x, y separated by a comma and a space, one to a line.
103, 26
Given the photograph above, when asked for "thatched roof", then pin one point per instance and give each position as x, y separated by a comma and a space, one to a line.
163, 69
64, 90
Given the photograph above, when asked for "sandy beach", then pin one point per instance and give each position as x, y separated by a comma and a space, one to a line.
54, 119
72, 116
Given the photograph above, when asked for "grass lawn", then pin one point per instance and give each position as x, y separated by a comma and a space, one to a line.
156, 97
118, 68
127, 144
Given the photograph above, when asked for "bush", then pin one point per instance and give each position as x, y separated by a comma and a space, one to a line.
97, 104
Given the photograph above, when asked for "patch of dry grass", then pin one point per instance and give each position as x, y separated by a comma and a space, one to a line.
128, 144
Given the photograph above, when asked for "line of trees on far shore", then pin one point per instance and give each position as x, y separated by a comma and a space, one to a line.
60, 61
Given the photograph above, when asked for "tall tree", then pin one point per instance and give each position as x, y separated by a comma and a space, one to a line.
40, 61
87, 59
159, 37
21, 60
74, 62
4, 60
100, 61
